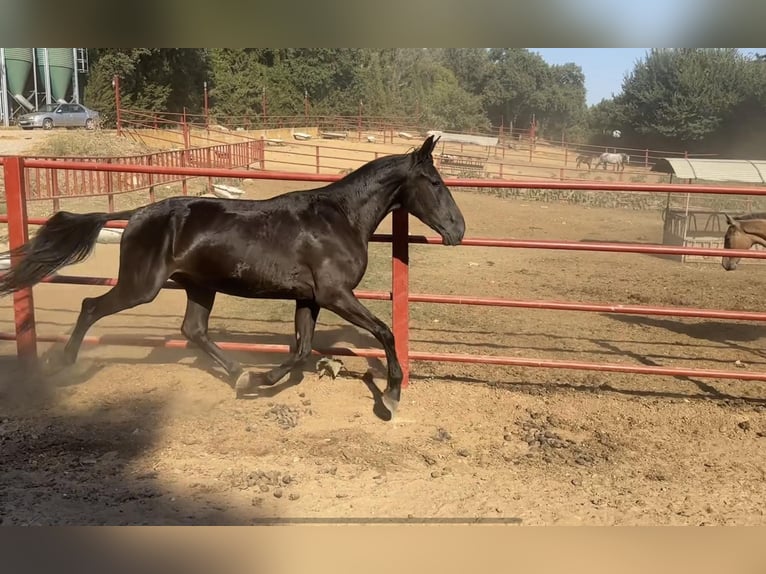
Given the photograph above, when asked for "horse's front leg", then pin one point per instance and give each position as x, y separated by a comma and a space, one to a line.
306, 313
347, 306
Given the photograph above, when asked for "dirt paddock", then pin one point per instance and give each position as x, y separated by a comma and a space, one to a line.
134, 435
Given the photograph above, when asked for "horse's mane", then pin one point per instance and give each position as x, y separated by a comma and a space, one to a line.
370, 167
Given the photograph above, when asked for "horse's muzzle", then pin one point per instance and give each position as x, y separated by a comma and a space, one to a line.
453, 238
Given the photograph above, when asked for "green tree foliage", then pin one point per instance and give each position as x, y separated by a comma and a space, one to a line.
695, 99
150, 78
703, 99
448, 89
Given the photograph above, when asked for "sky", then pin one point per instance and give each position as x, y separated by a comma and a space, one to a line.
604, 68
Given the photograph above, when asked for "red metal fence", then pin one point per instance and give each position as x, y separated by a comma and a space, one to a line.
53, 184
384, 128
26, 337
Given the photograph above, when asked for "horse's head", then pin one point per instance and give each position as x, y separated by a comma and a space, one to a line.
426, 197
737, 237
625, 158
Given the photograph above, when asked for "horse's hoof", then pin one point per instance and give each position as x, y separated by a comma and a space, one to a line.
54, 362
244, 384
391, 404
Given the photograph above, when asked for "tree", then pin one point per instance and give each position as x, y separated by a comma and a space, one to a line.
150, 78
684, 95
520, 85
471, 66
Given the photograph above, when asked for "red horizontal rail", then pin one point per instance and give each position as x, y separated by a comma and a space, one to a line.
489, 302
413, 356
590, 307
594, 246
578, 365
490, 183
110, 282
648, 248
183, 344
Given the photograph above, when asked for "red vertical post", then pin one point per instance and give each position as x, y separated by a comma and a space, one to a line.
184, 185
110, 187
185, 130
400, 279
152, 196
262, 148
263, 109
359, 121
209, 163
18, 235
54, 179
207, 110
116, 84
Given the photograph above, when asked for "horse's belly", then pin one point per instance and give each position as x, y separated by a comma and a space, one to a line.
244, 281
239, 288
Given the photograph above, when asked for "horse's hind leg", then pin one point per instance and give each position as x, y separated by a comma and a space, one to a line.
195, 326
306, 313
129, 292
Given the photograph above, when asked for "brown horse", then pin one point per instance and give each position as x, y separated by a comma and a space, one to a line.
584, 159
743, 232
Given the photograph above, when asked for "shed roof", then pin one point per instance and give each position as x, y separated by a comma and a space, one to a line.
740, 170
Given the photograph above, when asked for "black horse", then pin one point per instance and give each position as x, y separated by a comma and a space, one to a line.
308, 246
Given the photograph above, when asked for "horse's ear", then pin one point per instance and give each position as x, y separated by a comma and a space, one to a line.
426, 150
732, 221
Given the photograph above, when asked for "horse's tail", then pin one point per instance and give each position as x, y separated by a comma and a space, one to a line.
65, 239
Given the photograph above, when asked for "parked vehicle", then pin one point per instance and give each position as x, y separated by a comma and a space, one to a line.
60, 116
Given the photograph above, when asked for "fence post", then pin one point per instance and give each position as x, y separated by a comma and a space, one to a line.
18, 234
209, 163
263, 152
400, 289
316, 151
152, 197
646, 158
184, 185
117, 107
109, 187
54, 179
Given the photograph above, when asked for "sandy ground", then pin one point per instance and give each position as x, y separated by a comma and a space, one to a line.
146, 436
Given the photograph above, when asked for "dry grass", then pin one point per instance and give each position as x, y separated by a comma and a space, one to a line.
88, 144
